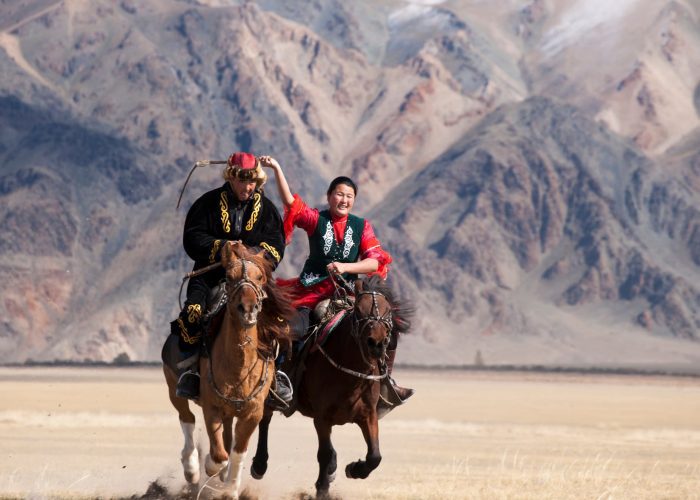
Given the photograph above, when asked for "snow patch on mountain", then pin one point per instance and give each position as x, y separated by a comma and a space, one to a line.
582, 19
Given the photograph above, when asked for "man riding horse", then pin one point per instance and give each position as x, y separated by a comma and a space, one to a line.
238, 210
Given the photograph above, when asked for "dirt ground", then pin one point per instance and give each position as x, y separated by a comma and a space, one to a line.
110, 432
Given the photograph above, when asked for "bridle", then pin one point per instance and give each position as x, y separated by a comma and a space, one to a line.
385, 319
237, 286
231, 291
361, 323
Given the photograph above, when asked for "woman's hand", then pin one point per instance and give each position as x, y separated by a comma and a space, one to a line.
269, 162
285, 193
336, 268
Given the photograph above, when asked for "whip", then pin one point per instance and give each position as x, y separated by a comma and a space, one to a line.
200, 163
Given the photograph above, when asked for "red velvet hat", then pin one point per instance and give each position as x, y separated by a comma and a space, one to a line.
246, 167
245, 161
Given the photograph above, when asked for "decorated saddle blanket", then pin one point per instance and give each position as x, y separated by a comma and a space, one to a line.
324, 329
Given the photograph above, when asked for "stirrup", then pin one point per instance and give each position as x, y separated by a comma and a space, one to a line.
283, 394
188, 385
402, 392
390, 396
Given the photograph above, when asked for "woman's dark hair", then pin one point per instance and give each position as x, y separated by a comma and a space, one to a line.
341, 180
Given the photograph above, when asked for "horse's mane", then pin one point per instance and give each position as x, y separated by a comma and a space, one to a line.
277, 310
402, 310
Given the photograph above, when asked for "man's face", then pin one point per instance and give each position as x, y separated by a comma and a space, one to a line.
242, 189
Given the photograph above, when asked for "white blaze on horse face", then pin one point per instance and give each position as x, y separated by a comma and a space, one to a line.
248, 307
190, 455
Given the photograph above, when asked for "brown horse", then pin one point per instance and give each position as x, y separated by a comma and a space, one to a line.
341, 382
237, 373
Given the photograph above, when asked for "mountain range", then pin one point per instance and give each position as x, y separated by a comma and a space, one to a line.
532, 166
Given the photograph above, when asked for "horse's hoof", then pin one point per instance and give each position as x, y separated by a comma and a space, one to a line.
190, 466
224, 472
254, 472
192, 477
355, 470
322, 492
212, 468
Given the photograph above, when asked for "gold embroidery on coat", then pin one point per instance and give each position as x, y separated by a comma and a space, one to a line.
194, 311
256, 211
214, 248
272, 250
224, 212
190, 339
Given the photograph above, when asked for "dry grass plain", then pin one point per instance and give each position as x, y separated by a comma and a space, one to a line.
110, 432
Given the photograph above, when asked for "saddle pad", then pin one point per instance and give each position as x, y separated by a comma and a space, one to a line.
328, 327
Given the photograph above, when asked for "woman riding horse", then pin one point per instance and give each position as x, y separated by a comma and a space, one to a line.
342, 380
339, 243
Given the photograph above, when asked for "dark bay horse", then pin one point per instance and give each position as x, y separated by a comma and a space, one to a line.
342, 379
237, 373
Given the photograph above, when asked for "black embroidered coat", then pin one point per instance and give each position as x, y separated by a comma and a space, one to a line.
218, 216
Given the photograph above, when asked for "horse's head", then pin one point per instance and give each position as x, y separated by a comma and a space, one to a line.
373, 319
245, 281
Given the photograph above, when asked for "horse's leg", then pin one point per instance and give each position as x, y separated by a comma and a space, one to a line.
189, 457
362, 468
217, 459
228, 441
244, 429
326, 457
228, 432
259, 465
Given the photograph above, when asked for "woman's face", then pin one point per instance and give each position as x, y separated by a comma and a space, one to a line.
341, 200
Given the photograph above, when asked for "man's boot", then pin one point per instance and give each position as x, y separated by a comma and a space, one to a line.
188, 377
403, 392
282, 391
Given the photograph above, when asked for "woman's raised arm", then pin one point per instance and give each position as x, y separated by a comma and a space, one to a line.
282, 186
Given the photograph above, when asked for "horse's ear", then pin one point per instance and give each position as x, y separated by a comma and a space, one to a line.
238, 248
260, 253
358, 285
226, 253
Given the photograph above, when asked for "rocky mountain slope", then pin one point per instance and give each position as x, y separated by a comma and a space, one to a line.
557, 229
540, 220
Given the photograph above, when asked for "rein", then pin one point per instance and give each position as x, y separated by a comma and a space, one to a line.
261, 295
361, 375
